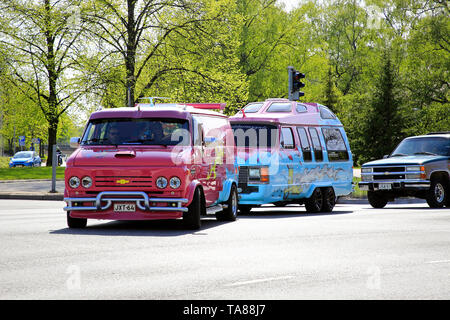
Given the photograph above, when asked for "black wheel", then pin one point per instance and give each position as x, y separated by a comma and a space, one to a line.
230, 213
376, 200
191, 219
329, 199
244, 209
437, 196
314, 204
76, 223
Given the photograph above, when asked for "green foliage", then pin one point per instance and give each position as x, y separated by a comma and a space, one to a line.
228, 51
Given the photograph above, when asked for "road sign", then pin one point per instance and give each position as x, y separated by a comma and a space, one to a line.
21, 141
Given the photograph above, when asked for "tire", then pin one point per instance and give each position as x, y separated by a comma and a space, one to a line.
191, 219
329, 199
376, 200
438, 195
230, 213
245, 209
76, 223
314, 204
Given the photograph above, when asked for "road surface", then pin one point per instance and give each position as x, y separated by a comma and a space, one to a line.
399, 252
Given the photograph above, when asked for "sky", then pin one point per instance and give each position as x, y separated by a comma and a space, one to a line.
289, 4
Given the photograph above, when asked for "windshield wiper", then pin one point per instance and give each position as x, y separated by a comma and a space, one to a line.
98, 141
141, 141
426, 152
399, 155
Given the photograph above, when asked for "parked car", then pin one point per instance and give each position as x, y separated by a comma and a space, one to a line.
418, 167
291, 152
25, 159
166, 161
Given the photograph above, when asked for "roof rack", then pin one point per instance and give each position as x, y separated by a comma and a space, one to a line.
210, 106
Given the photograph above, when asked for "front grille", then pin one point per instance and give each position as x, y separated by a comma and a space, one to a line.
243, 177
389, 169
389, 177
123, 181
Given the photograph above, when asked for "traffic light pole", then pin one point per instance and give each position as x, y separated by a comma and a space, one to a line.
291, 71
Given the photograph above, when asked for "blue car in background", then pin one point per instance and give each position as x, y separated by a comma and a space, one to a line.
25, 159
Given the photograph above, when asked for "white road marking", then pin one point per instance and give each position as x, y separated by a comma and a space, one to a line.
438, 261
241, 283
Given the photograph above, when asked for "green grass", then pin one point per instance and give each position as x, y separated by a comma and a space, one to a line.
358, 193
30, 173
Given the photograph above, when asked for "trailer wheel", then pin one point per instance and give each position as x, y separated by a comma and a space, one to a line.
244, 209
230, 213
329, 199
76, 223
191, 219
314, 204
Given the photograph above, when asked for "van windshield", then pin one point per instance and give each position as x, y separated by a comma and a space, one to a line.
255, 135
137, 132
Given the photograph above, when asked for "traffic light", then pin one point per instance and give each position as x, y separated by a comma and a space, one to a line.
295, 84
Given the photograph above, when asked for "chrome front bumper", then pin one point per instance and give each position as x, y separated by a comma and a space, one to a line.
141, 199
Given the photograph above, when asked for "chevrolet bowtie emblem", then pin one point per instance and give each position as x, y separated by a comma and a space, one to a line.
122, 181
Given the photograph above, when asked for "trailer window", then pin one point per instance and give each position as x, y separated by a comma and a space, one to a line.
316, 144
337, 151
287, 139
280, 107
304, 141
255, 135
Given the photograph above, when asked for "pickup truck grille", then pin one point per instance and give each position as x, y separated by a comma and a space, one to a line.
389, 177
389, 169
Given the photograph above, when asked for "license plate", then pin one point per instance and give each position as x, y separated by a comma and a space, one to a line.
124, 207
384, 186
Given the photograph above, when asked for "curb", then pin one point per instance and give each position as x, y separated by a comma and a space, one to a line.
32, 196
29, 180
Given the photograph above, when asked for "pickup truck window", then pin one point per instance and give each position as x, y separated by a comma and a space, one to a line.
423, 146
124, 131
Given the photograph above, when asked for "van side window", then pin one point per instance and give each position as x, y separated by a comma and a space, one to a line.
304, 141
197, 136
337, 151
287, 139
316, 144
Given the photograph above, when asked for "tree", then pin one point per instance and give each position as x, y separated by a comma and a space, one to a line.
384, 127
41, 39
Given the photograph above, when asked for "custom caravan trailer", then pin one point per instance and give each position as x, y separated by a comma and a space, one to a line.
291, 152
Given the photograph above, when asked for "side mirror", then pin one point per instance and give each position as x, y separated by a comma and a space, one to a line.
385, 156
75, 142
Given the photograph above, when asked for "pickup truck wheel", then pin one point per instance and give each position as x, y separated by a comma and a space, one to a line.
230, 213
76, 223
329, 199
437, 195
314, 204
376, 200
191, 219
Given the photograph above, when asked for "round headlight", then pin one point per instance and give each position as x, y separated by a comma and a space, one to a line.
175, 182
74, 182
86, 182
161, 182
